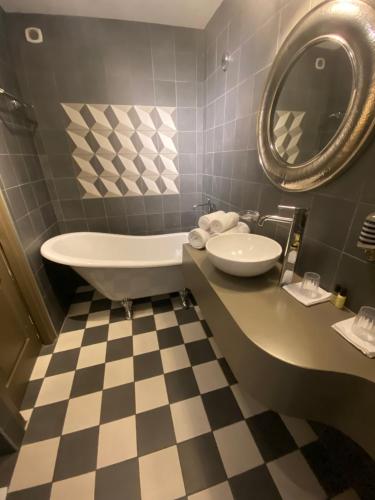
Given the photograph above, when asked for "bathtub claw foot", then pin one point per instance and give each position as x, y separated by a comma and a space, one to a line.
184, 295
128, 306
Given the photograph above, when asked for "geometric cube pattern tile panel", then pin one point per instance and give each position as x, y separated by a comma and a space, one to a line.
124, 150
149, 409
288, 132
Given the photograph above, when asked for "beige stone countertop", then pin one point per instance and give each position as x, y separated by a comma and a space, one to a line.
283, 327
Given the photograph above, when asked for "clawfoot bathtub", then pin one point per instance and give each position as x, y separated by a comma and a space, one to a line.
122, 267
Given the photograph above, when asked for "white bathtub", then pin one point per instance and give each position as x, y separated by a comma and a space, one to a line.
122, 267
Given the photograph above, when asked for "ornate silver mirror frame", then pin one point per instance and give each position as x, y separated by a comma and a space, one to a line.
351, 23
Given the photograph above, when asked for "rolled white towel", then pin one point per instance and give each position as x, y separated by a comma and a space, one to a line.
204, 222
241, 227
198, 238
224, 222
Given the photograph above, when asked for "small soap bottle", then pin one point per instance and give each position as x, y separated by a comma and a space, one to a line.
341, 298
335, 292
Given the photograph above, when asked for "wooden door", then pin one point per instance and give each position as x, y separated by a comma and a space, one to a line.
19, 342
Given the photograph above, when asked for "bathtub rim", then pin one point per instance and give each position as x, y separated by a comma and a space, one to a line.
48, 253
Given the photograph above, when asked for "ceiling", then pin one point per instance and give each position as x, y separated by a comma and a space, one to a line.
188, 13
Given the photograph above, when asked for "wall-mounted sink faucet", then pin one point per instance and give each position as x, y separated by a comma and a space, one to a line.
209, 205
297, 223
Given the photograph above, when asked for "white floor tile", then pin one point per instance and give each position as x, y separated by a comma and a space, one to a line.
69, 340
300, 430
91, 355
55, 388
237, 448
189, 419
165, 320
120, 329
117, 441
160, 475
40, 367
199, 312
209, 376
83, 412
248, 405
118, 372
192, 332
98, 318
77, 487
294, 478
142, 310
3, 493
220, 491
174, 358
347, 495
79, 308
35, 464
150, 393
145, 342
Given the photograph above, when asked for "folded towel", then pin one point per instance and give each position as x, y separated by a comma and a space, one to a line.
198, 238
204, 222
294, 289
344, 328
241, 227
224, 222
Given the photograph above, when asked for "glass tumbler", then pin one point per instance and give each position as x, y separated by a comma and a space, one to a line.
310, 284
364, 324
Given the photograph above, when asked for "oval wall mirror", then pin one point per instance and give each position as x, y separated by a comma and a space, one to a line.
318, 106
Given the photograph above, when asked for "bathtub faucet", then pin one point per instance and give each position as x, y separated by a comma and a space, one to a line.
211, 207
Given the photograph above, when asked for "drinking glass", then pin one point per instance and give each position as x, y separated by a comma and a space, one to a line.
364, 324
310, 284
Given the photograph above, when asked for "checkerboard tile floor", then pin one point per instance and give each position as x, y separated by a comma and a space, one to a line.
149, 409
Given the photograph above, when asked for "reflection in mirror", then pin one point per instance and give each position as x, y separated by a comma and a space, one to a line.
312, 101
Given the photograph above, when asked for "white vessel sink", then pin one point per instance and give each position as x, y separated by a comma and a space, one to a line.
243, 254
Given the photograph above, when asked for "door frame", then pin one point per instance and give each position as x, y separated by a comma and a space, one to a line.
23, 275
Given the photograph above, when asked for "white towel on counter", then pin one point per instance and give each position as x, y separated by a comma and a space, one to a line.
198, 238
241, 227
294, 289
344, 328
224, 222
204, 222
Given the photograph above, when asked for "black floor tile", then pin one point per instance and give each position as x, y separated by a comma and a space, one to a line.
200, 351
227, 371
147, 365
271, 435
62, 362
117, 314
46, 422
201, 463
206, 328
42, 492
256, 484
155, 430
221, 408
186, 316
88, 380
169, 337
100, 305
77, 453
119, 349
328, 474
95, 335
181, 384
117, 402
74, 323
143, 325
118, 481
161, 306
83, 297
47, 349
31, 394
